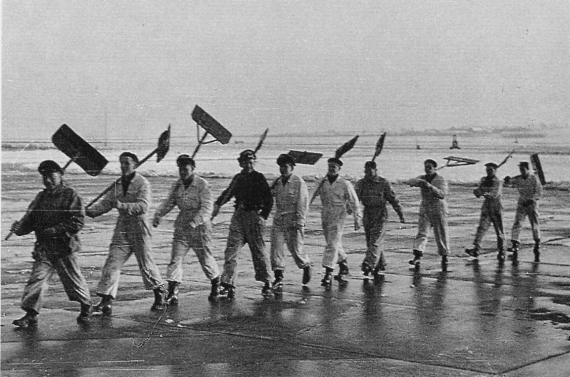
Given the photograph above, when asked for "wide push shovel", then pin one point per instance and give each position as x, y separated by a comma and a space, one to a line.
160, 151
79, 151
306, 158
211, 126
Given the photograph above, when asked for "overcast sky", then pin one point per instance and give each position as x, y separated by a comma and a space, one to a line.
287, 65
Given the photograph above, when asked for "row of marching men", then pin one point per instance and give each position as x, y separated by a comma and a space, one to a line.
59, 212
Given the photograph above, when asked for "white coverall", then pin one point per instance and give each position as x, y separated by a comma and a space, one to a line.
291, 207
338, 199
433, 213
530, 190
131, 235
192, 227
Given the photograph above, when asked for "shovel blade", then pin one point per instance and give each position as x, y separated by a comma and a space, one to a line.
163, 145
80, 151
307, 158
212, 126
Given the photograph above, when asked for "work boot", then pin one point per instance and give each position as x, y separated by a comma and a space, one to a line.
215, 292
29, 320
514, 249
227, 290
342, 270
366, 270
104, 306
474, 251
278, 282
266, 290
327, 280
307, 272
536, 251
416, 261
159, 299
501, 255
85, 313
444, 263
173, 289
379, 270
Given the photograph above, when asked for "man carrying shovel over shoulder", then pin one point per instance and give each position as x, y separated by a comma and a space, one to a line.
490, 188
131, 196
192, 228
57, 217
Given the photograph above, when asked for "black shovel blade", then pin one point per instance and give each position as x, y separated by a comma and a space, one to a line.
212, 126
80, 151
307, 158
163, 145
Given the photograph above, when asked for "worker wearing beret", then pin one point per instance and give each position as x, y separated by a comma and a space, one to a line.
56, 216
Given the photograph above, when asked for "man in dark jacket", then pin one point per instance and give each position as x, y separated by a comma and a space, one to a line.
253, 203
56, 216
374, 191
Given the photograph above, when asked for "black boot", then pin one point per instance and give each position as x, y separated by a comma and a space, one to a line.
266, 290
29, 320
215, 291
327, 279
104, 306
536, 251
173, 289
474, 251
416, 261
278, 282
85, 313
307, 270
342, 270
444, 263
159, 299
514, 249
501, 256
227, 290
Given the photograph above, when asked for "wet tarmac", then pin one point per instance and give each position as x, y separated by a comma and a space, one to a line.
479, 318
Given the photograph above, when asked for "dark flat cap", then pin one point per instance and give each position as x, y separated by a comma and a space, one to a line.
524, 163
370, 164
247, 154
492, 164
285, 159
335, 160
430, 161
184, 160
49, 166
131, 155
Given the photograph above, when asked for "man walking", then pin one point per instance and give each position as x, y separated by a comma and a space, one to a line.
490, 188
253, 203
433, 214
338, 200
56, 216
373, 192
131, 196
530, 191
192, 228
291, 207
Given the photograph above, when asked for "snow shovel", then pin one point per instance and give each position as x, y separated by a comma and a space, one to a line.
453, 161
212, 127
80, 152
160, 151
307, 158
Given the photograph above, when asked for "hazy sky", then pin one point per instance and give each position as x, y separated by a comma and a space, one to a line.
286, 65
